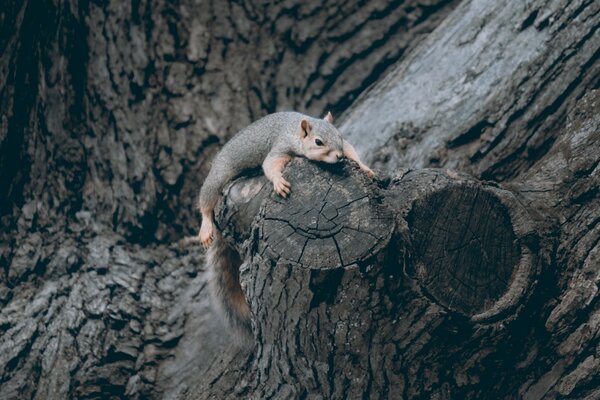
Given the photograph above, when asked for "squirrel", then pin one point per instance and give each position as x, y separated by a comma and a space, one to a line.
271, 141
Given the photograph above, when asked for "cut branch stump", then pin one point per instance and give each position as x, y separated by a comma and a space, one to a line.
346, 273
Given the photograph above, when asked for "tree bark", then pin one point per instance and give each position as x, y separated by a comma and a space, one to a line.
487, 93
546, 152
110, 115
355, 288
112, 111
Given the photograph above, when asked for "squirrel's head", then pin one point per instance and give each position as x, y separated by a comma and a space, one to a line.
321, 141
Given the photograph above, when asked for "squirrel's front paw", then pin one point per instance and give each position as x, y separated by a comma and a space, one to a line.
281, 186
370, 173
206, 235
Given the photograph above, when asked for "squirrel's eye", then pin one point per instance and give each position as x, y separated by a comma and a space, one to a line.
318, 142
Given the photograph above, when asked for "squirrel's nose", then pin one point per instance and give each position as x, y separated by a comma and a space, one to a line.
340, 156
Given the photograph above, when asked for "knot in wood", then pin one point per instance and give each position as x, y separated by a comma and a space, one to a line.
332, 218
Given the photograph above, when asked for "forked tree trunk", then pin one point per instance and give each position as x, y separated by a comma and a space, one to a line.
437, 292
361, 291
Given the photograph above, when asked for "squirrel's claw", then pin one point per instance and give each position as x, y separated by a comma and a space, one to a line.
206, 235
282, 187
370, 173
206, 241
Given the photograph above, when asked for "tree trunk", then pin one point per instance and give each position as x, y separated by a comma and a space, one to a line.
540, 136
111, 115
359, 291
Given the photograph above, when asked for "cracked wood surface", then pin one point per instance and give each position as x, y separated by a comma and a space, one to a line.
474, 245
334, 220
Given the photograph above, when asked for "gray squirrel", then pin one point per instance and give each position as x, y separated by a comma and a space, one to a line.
271, 141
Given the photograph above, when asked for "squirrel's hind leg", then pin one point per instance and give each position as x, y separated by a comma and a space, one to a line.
207, 229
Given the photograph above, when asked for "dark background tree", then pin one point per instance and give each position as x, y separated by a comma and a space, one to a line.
111, 112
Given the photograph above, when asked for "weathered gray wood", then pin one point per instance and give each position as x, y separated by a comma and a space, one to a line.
430, 350
334, 220
488, 91
564, 187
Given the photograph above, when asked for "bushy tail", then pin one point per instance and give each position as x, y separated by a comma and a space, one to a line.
227, 296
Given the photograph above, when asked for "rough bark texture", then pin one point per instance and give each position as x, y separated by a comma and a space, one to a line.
488, 92
336, 321
523, 344
112, 111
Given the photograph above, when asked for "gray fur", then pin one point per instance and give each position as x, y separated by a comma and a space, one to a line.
274, 134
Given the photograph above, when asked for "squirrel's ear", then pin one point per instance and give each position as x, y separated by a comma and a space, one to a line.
305, 128
329, 117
